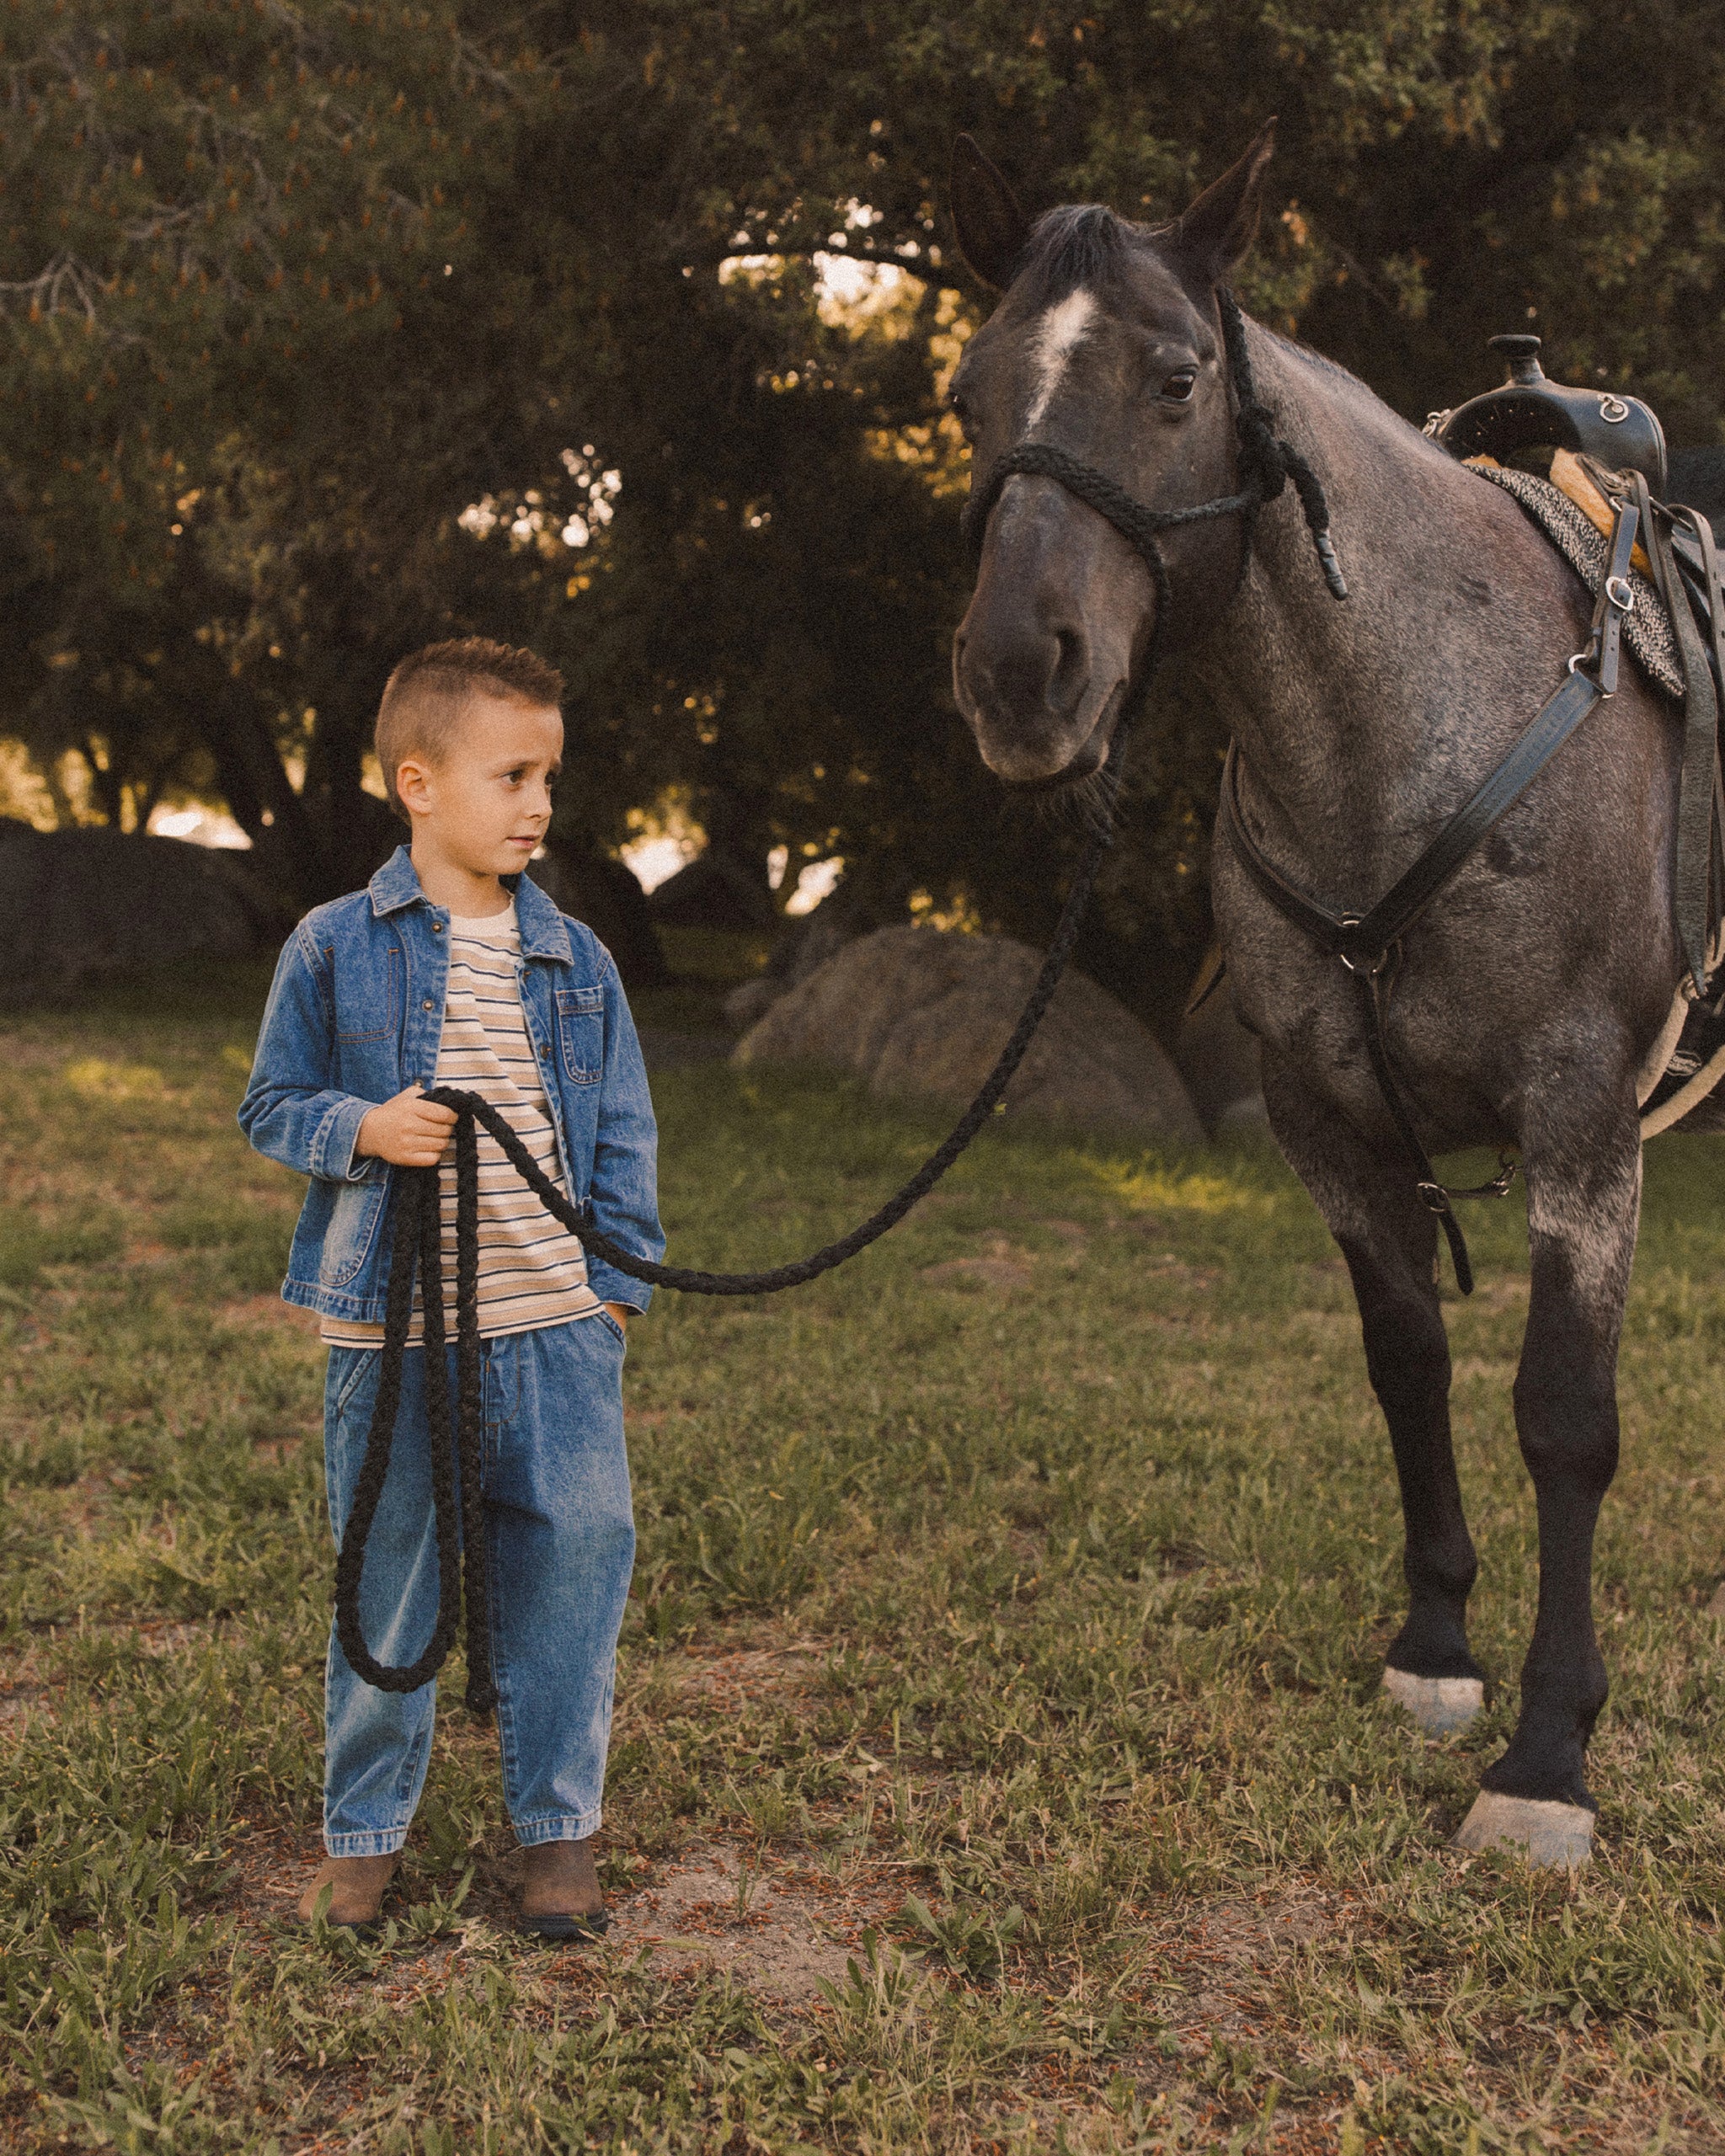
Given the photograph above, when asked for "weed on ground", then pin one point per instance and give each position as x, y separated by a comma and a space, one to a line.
999, 1761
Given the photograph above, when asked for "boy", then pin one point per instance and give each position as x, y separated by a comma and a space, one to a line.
451, 967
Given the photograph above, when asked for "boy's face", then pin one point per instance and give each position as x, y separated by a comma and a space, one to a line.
485, 804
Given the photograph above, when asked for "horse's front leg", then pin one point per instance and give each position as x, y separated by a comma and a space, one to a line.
1584, 1201
1389, 1240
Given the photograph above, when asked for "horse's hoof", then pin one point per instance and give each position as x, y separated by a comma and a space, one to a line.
1550, 1835
1441, 1705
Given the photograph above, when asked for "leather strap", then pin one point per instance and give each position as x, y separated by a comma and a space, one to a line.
1691, 534
1375, 992
1361, 941
1701, 738
1370, 944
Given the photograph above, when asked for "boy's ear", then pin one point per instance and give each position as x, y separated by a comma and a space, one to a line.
991, 228
410, 779
1222, 223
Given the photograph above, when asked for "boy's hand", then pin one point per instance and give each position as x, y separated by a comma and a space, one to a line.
409, 1131
622, 1313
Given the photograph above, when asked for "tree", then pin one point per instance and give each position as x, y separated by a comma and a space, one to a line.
635, 208
225, 226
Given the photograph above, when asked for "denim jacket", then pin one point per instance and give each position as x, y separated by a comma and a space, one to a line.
355, 1015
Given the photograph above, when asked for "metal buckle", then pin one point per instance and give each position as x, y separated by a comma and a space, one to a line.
1499, 1187
1584, 658
1613, 411
1616, 585
1434, 1197
1368, 967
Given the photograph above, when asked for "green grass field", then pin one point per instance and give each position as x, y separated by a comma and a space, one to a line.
999, 1760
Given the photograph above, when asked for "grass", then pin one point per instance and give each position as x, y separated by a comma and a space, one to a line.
1007, 1630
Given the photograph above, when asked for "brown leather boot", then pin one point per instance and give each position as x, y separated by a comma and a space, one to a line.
356, 1884
560, 1896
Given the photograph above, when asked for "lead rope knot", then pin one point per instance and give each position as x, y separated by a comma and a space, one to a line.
1269, 461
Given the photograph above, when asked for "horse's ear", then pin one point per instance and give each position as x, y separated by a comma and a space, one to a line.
991, 228
1222, 223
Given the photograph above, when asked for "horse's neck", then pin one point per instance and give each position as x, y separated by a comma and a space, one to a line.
1350, 714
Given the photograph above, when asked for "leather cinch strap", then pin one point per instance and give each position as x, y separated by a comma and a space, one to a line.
1370, 944
1696, 791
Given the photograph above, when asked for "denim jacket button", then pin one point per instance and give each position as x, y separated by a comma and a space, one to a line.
428, 1005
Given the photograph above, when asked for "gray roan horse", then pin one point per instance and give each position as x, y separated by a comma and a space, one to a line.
1531, 990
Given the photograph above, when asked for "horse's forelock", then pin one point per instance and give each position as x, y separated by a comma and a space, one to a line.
1080, 247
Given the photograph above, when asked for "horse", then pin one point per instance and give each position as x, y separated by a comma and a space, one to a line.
1528, 993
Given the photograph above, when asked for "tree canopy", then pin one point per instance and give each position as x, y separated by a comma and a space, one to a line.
332, 329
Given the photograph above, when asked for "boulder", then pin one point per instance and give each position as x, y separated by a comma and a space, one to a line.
77, 904
873, 893
1219, 1060
917, 1009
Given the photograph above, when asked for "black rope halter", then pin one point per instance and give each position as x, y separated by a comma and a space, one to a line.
1266, 465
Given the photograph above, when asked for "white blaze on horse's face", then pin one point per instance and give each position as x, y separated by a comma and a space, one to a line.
1046, 645
1055, 338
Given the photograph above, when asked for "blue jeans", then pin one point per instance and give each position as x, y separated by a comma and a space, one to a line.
561, 1548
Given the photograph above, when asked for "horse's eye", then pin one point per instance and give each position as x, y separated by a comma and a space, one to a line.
961, 410
1179, 386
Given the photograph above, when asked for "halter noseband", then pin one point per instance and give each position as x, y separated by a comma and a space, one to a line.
1266, 464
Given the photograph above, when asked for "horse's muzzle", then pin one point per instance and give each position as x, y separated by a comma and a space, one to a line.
1084, 762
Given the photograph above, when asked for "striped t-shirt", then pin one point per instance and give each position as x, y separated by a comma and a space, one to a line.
532, 1272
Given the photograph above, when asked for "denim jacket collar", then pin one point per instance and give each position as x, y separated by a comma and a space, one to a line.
396, 886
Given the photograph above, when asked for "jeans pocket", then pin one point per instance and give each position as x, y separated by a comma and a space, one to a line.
614, 1329
364, 1363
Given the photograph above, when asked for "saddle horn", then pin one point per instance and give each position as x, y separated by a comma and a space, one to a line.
1530, 410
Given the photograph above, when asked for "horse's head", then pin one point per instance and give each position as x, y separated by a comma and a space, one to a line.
1106, 345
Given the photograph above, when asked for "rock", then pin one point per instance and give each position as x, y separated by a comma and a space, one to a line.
874, 892
1219, 1060
917, 1009
77, 904
746, 1006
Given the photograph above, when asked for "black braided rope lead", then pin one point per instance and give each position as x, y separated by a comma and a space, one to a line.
685, 1279
1268, 464
462, 1573
418, 1245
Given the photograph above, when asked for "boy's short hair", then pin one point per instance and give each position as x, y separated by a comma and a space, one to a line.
429, 694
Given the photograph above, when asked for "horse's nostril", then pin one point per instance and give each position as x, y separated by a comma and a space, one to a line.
1070, 671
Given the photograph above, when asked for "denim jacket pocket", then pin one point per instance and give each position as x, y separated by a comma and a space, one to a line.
581, 1034
375, 1014
352, 1229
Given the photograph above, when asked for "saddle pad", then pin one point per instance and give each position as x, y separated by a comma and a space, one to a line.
1648, 630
